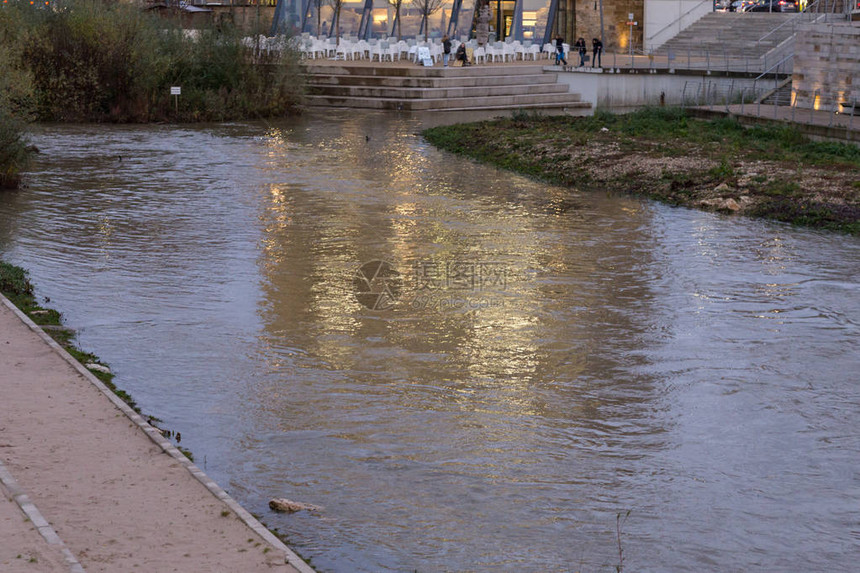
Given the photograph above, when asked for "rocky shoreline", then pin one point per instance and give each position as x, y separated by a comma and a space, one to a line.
662, 153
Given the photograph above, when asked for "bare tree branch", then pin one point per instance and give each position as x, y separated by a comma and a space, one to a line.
427, 8
396, 4
336, 6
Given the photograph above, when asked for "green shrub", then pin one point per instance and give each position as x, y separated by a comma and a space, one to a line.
92, 60
14, 280
15, 99
14, 155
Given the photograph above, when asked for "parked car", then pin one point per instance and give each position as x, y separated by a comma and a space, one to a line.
742, 5
773, 6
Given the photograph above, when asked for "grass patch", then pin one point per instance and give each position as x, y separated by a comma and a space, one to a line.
186, 452
668, 155
782, 188
723, 171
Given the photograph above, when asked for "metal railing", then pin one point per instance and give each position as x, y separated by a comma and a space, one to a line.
812, 13
709, 61
810, 109
779, 68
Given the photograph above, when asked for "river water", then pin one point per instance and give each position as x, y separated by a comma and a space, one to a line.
538, 361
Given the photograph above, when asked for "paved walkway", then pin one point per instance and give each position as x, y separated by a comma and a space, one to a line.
102, 490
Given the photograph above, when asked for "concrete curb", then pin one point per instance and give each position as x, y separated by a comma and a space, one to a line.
37, 519
171, 450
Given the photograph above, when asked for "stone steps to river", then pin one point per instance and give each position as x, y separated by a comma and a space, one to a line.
415, 88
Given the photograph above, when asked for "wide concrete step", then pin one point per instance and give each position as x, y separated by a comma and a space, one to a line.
321, 79
439, 93
491, 102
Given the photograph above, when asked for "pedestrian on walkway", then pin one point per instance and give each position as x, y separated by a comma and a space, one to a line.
597, 51
582, 49
559, 51
446, 50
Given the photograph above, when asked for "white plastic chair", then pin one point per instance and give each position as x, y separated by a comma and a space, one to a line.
480, 55
393, 51
498, 51
435, 52
378, 51
362, 49
403, 47
549, 50
344, 50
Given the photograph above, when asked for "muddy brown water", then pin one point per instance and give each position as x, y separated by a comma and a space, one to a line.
538, 361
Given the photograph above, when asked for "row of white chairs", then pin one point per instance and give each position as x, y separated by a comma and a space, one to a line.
374, 50
350, 48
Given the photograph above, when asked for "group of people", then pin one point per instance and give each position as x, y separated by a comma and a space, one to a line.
582, 49
459, 56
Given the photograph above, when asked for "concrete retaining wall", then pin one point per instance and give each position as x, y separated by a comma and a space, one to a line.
827, 66
605, 90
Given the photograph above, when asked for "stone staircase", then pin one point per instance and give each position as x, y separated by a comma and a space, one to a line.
778, 96
732, 35
409, 87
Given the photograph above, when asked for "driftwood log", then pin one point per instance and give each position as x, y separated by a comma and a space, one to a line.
288, 506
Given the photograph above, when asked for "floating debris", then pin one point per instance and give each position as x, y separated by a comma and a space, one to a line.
97, 367
283, 504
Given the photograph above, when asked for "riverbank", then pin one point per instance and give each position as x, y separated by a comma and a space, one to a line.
772, 172
113, 493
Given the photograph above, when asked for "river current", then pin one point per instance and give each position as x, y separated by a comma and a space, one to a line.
468, 370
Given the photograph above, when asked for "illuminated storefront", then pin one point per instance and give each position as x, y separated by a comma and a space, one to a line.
524, 20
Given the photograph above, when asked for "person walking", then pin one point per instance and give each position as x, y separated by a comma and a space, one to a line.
446, 50
559, 51
597, 51
582, 49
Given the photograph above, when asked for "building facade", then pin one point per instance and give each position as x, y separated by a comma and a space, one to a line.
525, 20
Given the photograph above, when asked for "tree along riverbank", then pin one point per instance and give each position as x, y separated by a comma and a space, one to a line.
773, 172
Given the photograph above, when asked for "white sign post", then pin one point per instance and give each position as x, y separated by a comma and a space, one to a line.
176, 91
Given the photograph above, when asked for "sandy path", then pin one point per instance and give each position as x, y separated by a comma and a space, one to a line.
114, 497
22, 549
